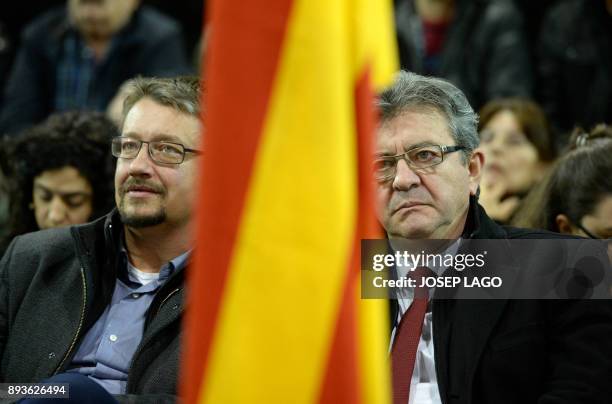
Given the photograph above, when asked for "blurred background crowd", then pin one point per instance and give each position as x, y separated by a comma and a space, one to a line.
538, 72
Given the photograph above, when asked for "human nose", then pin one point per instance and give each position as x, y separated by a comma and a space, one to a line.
142, 162
58, 212
405, 177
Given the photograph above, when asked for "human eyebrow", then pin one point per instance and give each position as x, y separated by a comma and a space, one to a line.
159, 137
40, 187
163, 137
384, 154
417, 145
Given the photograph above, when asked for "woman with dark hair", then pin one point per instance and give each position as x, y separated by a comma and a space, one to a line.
60, 172
518, 148
576, 197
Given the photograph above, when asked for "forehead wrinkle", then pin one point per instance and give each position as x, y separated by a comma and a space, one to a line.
392, 132
437, 132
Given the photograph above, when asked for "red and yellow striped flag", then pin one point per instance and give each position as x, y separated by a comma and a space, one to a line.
274, 314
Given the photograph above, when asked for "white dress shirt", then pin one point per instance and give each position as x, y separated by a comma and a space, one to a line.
424, 383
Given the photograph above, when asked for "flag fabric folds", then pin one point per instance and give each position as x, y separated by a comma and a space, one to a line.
273, 311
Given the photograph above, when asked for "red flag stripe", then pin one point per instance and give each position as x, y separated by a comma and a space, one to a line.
230, 144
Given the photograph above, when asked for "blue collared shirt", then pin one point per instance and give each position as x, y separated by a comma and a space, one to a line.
106, 350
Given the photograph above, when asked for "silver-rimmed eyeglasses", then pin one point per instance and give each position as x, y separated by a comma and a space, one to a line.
161, 152
417, 158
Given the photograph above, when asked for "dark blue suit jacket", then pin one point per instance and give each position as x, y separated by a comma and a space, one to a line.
150, 45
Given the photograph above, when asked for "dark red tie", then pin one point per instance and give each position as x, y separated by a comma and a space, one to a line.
407, 336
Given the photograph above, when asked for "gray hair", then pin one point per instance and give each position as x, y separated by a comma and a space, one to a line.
411, 91
181, 93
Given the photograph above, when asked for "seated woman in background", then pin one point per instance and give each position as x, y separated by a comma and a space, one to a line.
576, 197
516, 140
60, 173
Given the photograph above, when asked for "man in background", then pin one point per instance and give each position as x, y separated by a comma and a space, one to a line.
478, 45
77, 57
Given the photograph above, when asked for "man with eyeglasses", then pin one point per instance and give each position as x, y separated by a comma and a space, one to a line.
99, 306
427, 167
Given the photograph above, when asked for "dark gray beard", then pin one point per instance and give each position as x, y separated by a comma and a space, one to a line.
137, 221
143, 221
140, 221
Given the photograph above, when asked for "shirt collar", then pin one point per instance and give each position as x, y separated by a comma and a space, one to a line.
438, 270
174, 265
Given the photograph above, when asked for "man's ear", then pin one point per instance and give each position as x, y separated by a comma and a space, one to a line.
564, 225
475, 164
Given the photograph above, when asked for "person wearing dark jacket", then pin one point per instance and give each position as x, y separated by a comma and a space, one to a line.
480, 46
575, 64
470, 351
77, 57
101, 304
59, 173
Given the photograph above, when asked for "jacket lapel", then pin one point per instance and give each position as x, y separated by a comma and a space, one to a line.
169, 310
461, 332
462, 328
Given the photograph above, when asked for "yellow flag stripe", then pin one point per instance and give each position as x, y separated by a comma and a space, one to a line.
293, 247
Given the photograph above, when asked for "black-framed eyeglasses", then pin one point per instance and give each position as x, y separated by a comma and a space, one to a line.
417, 158
161, 152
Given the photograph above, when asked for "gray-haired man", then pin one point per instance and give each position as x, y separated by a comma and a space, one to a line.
471, 351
